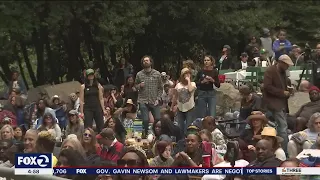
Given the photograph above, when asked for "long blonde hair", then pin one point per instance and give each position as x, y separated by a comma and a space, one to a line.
77, 145
10, 129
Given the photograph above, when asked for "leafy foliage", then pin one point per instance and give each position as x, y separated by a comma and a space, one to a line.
62, 37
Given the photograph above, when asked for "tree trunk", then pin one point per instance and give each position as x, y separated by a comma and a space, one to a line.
40, 57
73, 43
4, 64
18, 58
4, 78
28, 64
113, 55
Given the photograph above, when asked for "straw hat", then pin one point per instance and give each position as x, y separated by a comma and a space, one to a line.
130, 101
271, 132
286, 59
258, 115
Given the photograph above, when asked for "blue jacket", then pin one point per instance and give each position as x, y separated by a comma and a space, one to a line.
276, 45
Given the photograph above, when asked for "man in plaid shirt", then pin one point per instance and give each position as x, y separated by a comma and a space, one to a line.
150, 88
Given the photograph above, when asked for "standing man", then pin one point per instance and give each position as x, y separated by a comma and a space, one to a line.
149, 86
276, 94
266, 42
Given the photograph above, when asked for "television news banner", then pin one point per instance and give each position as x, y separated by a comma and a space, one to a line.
41, 164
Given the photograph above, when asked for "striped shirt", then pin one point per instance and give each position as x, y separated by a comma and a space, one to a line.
152, 89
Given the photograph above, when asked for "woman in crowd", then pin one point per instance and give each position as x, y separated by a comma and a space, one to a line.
229, 157
70, 158
91, 101
270, 134
49, 123
130, 92
112, 98
75, 126
207, 82
45, 144
129, 111
116, 125
89, 142
192, 155
250, 137
16, 106
133, 157
30, 140
184, 98
306, 138
206, 136
75, 144
165, 126
164, 159
7, 133
42, 109
209, 123
18, 134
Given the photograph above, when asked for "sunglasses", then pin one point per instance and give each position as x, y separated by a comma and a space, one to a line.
122, 162
87, 135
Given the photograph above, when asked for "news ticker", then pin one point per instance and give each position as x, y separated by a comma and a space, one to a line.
167, 171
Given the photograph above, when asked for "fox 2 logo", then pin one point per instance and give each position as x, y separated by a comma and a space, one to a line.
34, 160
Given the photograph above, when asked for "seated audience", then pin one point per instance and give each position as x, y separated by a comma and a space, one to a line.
134, 156
270, 134
209, 123
45, 144
265, 158
306, 138
231, 159
111, 147
299, 120
30, 139
292, 162
116, 125
250, 102
164, 159
75, 126
49, 123
249, 137
304, 86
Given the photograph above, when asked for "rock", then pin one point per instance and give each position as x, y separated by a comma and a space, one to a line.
228, 97
63, 90
297, 100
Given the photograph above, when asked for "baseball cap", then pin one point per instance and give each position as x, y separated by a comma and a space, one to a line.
286, 59
89, 71
244, 54
107, 133
163, 74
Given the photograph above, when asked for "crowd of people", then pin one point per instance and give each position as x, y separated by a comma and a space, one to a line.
148, 119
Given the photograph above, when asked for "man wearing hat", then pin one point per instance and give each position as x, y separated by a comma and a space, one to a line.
298, 121
276, 94
270, 134
266, 42
111, 147
243, 64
